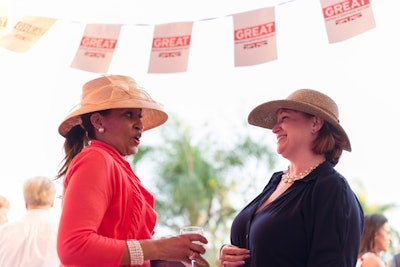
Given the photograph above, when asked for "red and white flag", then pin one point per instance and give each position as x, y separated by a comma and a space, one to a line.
97, 47
170, 47
255, 37
26, 33
347, 18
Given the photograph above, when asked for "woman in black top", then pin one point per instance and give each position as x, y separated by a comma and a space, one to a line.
307, 215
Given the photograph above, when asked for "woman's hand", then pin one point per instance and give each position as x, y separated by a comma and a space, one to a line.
183, 248
232, 256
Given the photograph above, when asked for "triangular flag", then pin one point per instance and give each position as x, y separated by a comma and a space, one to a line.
3, 20
26, 33
255, 37
170, 47
346, 19
96, 48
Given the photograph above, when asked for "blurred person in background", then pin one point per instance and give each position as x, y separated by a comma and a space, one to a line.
375, 239
395, 260
31, 240
4, 208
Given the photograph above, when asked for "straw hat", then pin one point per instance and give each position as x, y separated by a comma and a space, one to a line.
115, 91
305, 100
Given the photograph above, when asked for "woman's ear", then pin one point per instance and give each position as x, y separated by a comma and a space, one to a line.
317, 123
96, 120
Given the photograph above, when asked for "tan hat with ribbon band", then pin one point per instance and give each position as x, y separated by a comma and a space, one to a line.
115, 91
304, 100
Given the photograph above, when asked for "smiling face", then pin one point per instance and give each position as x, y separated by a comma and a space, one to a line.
295, 132
122, 129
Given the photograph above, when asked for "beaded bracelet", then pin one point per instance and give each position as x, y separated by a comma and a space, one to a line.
135, 252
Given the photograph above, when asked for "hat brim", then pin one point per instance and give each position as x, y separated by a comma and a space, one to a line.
152, 114
264, 115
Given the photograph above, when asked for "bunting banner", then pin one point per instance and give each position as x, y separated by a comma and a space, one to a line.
3, 20
346, 19
26, 33
254, 37
170, 47
96, 48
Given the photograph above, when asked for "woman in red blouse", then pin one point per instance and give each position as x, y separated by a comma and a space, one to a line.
108, 217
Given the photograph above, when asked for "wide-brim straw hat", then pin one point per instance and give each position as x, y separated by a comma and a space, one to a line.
115, 91
304, 100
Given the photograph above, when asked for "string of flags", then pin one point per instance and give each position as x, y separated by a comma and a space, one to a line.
254, 36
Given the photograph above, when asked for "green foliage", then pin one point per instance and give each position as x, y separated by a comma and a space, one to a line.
369, 208
204, 182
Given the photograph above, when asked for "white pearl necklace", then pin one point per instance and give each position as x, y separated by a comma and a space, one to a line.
289, 179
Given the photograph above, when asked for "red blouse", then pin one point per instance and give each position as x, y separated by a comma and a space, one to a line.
104, 204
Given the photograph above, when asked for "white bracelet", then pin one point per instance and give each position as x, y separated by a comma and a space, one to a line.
135, 252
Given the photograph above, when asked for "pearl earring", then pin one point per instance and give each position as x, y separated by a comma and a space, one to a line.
101, 130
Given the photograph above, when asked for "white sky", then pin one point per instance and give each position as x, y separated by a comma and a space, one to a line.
360, 74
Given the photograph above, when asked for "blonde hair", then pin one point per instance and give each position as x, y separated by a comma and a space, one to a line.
39, 191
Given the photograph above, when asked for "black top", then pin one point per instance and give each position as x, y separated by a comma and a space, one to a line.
316, 222
395, 260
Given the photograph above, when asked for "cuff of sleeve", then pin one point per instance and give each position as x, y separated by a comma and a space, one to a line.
135, 252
